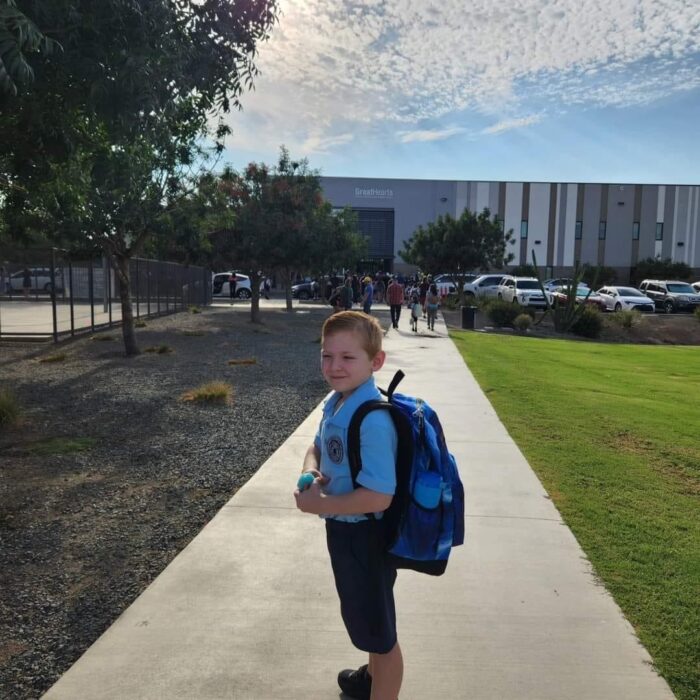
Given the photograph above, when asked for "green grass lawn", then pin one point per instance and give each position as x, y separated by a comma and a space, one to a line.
613, 432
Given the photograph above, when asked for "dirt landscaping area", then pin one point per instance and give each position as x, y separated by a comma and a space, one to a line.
108, 474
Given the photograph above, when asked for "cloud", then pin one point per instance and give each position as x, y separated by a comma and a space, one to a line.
429, 134
508, 124
334, 67
319, 143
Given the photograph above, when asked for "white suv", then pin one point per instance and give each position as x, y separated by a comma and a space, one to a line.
522, 290
483, 286
220, 286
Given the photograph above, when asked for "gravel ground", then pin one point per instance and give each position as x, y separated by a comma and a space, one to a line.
82, 534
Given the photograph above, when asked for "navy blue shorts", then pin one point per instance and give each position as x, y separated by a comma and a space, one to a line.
365, 583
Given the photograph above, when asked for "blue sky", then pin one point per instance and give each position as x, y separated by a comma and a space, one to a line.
525, 90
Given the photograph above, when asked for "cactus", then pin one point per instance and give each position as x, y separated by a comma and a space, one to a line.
565, 316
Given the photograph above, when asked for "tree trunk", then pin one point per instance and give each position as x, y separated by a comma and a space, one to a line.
287, 281
121, 267
255, 298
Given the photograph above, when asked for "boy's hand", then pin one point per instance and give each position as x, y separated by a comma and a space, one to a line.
311, 499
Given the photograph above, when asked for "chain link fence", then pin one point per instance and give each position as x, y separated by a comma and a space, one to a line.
52, 293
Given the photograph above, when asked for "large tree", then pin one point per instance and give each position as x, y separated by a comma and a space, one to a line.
121, 114
282, 224
459, 246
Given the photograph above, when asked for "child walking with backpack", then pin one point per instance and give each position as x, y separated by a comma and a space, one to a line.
415, 312
351, 351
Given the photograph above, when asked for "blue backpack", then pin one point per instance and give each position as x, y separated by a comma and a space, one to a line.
426, 516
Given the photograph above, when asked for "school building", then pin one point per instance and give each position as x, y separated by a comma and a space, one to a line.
615, 225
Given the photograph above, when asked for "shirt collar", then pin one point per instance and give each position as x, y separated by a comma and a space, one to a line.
365, 392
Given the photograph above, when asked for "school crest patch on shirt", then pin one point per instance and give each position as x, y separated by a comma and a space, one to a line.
334, 448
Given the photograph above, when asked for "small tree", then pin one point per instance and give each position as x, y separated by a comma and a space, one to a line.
459, 246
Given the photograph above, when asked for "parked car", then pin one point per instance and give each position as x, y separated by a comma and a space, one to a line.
484, 286
41, 279
583, 295
555, 282
671, 295
618, 298
446, 286
305, 289
220, 285
696, 286
522, 290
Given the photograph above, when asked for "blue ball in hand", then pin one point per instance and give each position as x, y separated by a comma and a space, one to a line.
305, 480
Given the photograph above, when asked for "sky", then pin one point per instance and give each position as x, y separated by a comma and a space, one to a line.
518, 90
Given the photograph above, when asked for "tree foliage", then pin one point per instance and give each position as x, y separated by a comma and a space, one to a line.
459, 246
280, 223
100, 146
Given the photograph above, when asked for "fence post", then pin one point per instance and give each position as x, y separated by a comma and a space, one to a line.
91, 280
148, 287
53, 295
70, 290
138, 297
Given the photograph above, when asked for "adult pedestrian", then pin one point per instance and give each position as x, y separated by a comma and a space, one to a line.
432, 301
368, 296
347, 295
395, 294
232, 287
379, 287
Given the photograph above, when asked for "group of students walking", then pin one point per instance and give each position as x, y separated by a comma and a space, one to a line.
423, 299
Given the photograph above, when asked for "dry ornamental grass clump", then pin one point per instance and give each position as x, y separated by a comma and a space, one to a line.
9, 408
211, 392
57, 357
102, 337
159, 349
244, 361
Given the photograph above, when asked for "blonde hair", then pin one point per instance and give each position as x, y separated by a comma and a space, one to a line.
366, 326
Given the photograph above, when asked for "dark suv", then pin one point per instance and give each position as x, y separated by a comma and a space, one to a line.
671, 295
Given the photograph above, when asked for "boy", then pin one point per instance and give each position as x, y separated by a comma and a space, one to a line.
351, 351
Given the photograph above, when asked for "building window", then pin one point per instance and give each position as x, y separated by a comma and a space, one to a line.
659, 231
635, 231
579, 230
523, 229
602, 228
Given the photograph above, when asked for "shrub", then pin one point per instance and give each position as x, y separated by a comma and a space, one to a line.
523, 322
9, 408
194, 309
589, 324
211, 392
56, 357
103, 337
627, 318
598, 276
503, 313
138, 323
159, 349
451, 302
245, 361
655, 268
524, 271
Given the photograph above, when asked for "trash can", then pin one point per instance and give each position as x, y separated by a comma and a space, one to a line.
468, 317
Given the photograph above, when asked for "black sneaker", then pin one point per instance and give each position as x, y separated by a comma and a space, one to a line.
356, 684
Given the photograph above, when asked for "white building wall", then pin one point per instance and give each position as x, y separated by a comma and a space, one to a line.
538, 222
513, 212
570, 225
694, 232
462, 198
482, 196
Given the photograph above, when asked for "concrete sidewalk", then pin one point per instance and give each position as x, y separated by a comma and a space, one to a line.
248, 610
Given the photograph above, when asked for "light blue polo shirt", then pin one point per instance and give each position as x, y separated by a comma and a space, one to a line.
378, 444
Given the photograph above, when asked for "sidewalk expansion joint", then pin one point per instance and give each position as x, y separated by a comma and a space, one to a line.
514, 517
